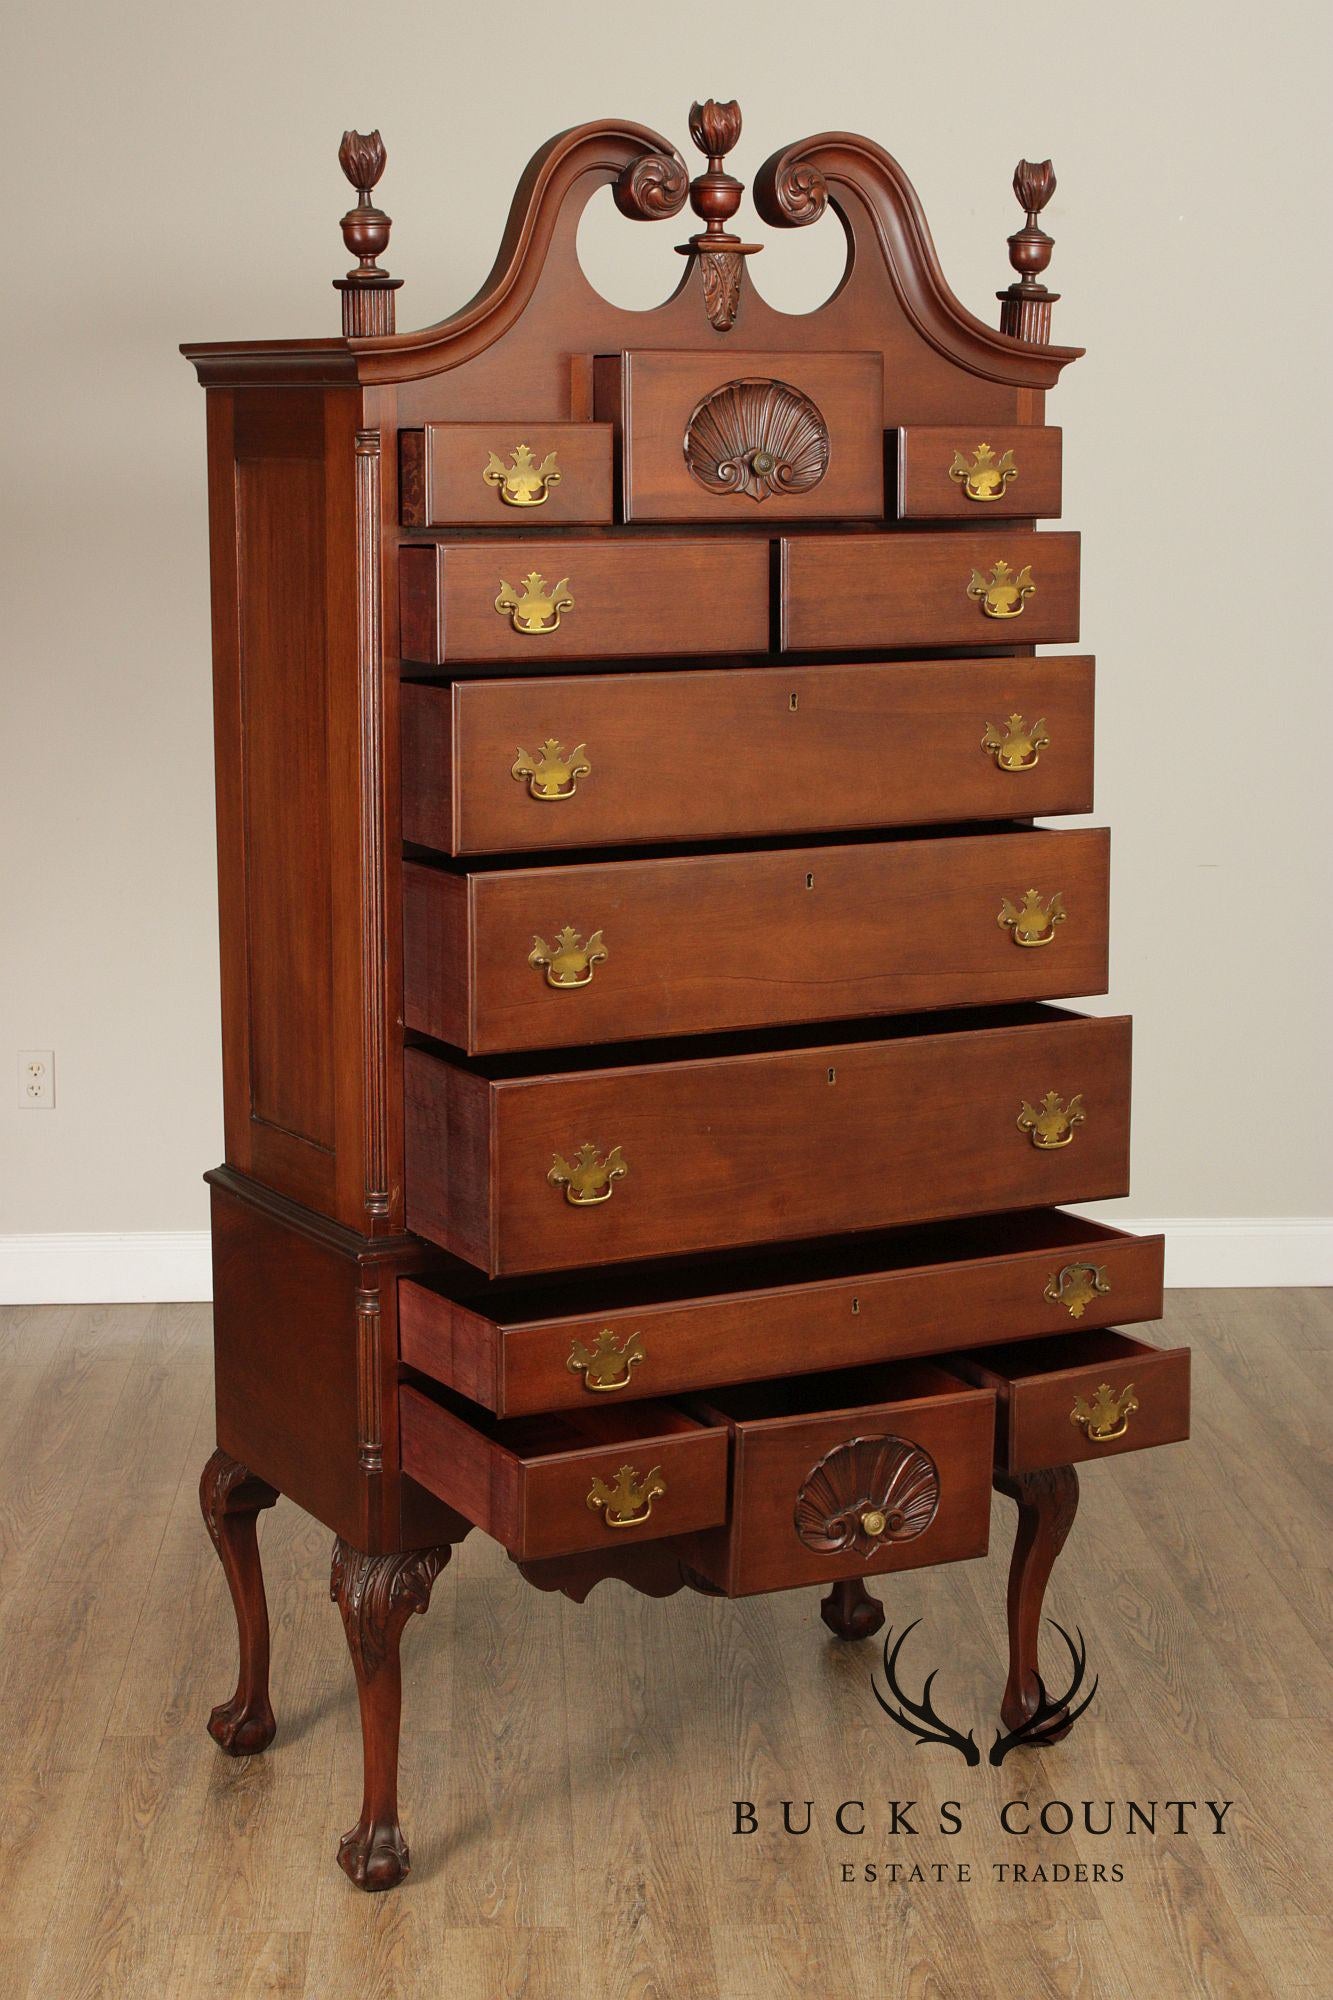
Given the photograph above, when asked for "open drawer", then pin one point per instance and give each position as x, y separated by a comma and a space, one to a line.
612, 1337
846, 1475
1077, 1396
558, 1485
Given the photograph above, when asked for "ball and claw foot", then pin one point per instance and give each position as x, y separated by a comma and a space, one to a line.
242, 1728
375, 1856
850, 1612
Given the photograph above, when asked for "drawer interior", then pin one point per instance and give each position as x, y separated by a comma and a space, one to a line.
558, 1432
1026, 1360
840, 1393
530, 1300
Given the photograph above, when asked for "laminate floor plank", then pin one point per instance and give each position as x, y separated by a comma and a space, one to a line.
569, 1771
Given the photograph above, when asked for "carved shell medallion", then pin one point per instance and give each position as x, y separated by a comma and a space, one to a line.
757, 438
865, 1493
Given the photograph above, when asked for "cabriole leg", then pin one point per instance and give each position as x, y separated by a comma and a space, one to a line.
231, 1497
1047, 1503
850, 1612
376, 1596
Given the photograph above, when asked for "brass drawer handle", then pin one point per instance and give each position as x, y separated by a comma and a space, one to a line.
556, 772
606, 1367
986, 477
1076, 1286
589, 1180
535, 607
630, 1500
1107, 1415
1032, 925
1005, 593
569, 962
1054, 1122
524, 483
1016, 747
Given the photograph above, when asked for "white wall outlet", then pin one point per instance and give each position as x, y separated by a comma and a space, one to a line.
37, 1079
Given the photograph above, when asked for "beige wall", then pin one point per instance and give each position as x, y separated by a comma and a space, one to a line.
177, 179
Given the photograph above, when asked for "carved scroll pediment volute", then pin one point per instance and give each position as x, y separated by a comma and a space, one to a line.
892, 295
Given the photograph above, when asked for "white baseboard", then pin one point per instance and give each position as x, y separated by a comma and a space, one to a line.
105, 1267
122, 1267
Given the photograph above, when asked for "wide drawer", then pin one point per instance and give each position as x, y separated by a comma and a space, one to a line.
848, 1475
947, 473
526, 602
498, 475
731, 436
533, 958
997, 587
557, 1485
500, 766
1080, 1396
615, 1338
518, 1171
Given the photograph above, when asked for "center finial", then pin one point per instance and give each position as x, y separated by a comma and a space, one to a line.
715, 195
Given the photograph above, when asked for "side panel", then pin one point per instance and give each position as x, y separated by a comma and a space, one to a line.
302, 767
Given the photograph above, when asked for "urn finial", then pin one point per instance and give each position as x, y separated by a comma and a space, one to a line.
367, 291
715, 195
1025, 308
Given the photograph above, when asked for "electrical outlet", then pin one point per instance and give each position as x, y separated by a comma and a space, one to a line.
37, 1079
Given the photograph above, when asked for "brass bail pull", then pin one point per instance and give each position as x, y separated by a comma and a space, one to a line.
1107, 1416
606, 1367
628, 1501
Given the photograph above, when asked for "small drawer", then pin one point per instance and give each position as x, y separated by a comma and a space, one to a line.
1078, 1396
947, 473
997, 587
606, 1338
535, 958
728, 436
558, 1485
518, 1170
503, 766
848, 1475
504, 475
527, 602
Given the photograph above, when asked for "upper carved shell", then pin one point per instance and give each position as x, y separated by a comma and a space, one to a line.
758, 438
876, 1476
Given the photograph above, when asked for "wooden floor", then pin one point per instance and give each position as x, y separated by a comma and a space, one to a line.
569, 1771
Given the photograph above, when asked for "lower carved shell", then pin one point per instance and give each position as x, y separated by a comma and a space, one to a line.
757, 438
883, 1479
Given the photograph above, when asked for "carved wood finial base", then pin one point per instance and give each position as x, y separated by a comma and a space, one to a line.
376, 1596
231, 1498
850, 1612
1047, 1503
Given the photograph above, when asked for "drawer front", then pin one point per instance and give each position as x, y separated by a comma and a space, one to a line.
743, 436
503, 766
892, 1485
527, 602
552, 1492
548, 957
946, 474
997, 587
998, 1279
505, 475
590, 1167
1084, 1396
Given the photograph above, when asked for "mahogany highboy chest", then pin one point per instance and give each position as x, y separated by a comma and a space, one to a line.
646, 1122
